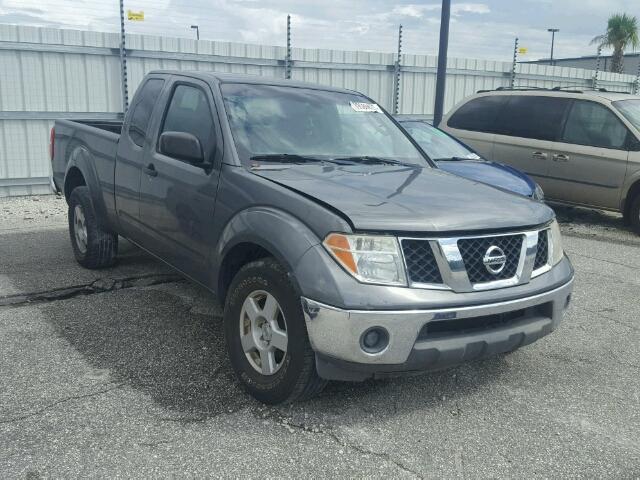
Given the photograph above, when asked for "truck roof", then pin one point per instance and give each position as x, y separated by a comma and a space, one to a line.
252, 79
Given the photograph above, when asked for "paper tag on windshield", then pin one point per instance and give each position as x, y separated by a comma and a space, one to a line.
365, 107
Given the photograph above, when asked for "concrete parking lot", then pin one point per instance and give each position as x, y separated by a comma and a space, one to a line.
123, 372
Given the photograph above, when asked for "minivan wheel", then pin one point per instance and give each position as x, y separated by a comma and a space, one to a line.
266, 335
92, 246
634, 214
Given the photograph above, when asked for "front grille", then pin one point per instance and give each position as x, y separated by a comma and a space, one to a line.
421, 264
473, 251
542, 254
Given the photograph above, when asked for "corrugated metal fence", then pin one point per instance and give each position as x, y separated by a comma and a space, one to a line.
51, 73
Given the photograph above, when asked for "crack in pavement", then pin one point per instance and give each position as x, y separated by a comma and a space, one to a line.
278, 419
601, 238
101, 285
40, 411
598, 259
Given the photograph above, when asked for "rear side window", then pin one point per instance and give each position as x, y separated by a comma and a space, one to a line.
592, 124
189, 112
534, 117
479, 114
145, 101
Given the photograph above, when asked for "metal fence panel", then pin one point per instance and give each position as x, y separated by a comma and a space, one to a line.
50, 73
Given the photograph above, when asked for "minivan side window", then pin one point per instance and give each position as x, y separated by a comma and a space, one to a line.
479, 114
535, 117
189, 112
592, 124
145, 101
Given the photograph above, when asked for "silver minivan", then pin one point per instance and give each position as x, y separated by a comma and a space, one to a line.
583, 148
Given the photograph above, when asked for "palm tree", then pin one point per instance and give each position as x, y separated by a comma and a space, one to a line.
622, 31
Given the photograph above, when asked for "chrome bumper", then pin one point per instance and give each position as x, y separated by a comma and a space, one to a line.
335, 333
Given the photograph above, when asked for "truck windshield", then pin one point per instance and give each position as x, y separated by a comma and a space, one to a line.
630, 109
277, 121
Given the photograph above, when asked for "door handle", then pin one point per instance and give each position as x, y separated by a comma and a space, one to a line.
539, 155
151, 170
560, 157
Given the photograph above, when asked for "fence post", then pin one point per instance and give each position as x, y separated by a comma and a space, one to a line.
396, 73
287, 60
636, 87
123, 63
513, 66
595, 75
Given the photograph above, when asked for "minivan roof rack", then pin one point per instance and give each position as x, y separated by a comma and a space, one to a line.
552, 89
567, 89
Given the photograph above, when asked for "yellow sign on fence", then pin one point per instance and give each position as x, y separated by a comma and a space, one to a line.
135, 16
522, 50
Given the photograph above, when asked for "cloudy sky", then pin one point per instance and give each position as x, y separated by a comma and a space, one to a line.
479, 29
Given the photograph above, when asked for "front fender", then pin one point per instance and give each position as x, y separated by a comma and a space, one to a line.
286, 237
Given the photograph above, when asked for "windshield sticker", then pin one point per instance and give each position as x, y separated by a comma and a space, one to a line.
365, 107
473, 156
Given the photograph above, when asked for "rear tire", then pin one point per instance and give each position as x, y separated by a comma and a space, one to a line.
92, 246
634, 214
251, 334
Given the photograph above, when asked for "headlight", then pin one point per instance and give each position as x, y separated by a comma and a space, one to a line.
369, 258
538, 193
555, 241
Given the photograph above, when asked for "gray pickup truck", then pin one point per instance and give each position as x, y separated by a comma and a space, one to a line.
338, 252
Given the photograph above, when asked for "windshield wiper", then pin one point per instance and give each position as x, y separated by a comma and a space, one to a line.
286, 158
370, 160
457, 159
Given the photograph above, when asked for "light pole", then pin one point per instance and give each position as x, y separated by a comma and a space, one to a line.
553, 37
441, 74
195, 27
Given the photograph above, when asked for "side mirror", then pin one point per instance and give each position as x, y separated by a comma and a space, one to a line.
181, 145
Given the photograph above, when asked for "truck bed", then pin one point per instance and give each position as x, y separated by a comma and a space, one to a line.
113, 126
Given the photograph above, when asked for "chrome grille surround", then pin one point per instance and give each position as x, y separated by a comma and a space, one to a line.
452, 265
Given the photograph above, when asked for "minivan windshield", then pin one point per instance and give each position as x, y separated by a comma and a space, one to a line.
291, 124
436, 143
630, 109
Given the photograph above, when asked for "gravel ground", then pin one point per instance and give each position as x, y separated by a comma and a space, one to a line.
122, 372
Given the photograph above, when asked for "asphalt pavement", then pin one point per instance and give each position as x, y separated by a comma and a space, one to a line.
123, 372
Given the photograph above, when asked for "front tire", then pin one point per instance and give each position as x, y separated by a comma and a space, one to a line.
267, 337
92, 246
634, 214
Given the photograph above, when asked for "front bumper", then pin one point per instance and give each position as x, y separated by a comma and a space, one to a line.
335, 334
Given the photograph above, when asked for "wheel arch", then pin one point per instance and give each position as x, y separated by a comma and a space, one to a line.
257, 233
632, 193
81, 171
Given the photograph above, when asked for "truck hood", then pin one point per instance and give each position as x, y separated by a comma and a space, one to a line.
409, 199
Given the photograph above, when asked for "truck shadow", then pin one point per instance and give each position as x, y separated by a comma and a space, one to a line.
167, 341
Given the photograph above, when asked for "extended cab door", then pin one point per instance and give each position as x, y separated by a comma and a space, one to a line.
132, 145
589, 162
177, 198
526, 132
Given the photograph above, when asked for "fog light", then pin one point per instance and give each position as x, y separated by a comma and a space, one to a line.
374, 340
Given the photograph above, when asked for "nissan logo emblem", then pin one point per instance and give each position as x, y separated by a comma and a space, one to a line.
494, 260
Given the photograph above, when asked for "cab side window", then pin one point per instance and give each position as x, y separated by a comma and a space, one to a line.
189, 112
592, 124
142, 109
